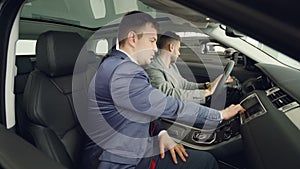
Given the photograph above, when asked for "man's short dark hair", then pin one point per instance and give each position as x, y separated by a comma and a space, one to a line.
167, 38
133, 21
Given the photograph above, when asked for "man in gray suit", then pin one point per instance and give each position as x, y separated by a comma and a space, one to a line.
165, 75
123, 104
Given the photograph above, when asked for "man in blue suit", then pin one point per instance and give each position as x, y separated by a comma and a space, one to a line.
123, 104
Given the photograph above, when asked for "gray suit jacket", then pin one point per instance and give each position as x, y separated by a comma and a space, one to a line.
170, 81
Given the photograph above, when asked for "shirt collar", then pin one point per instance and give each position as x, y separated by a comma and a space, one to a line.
134, 61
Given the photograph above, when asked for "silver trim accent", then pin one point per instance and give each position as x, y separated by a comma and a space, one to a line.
190, 127
194, 129
272, 90
288, 107
255, 115
294, 117
201, 142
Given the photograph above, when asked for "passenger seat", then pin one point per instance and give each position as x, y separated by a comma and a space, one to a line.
48, 98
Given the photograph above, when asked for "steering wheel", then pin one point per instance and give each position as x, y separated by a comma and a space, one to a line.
220, 86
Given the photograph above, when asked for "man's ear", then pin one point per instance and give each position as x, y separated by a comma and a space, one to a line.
131, 36
171, 47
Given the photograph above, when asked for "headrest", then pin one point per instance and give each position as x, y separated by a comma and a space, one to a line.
24, 65
56, 52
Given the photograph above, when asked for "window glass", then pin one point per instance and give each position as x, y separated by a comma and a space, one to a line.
219, 49
190, 42
213, 47
102, 47
191, 34
272, 52
25, 47
122, 6
98, 8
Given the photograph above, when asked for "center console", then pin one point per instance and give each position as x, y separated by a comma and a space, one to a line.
224, 133
203, 137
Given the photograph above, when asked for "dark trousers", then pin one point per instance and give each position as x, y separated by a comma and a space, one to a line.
196, 160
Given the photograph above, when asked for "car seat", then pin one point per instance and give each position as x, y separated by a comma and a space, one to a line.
48, 98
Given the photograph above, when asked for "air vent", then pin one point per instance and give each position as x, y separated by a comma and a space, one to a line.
281, 100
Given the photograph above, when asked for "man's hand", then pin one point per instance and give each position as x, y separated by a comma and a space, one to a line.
167, 143
231, 111
229, 79
211, 86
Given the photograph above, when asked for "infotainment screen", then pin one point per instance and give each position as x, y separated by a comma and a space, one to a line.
253, 107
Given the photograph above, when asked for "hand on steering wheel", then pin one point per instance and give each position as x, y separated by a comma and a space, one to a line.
217, 92
218, 84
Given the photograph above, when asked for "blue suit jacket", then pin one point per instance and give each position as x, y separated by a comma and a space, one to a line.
122, 103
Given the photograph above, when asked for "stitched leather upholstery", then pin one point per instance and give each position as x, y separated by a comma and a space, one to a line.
48, 98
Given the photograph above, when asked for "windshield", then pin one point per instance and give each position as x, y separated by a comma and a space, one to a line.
273, 53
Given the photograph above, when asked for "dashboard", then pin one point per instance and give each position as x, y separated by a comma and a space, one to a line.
276, 87
270, 127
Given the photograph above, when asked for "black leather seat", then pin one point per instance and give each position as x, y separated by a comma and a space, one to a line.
19, 154
24, 66
48, 98
92, 60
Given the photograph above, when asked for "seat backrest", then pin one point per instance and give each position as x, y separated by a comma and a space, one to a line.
48, 98
24, 67
93, 61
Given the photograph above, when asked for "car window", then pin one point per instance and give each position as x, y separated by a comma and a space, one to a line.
95, 5
25, 47
197, 46
122, 6
102, 47
272, 52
